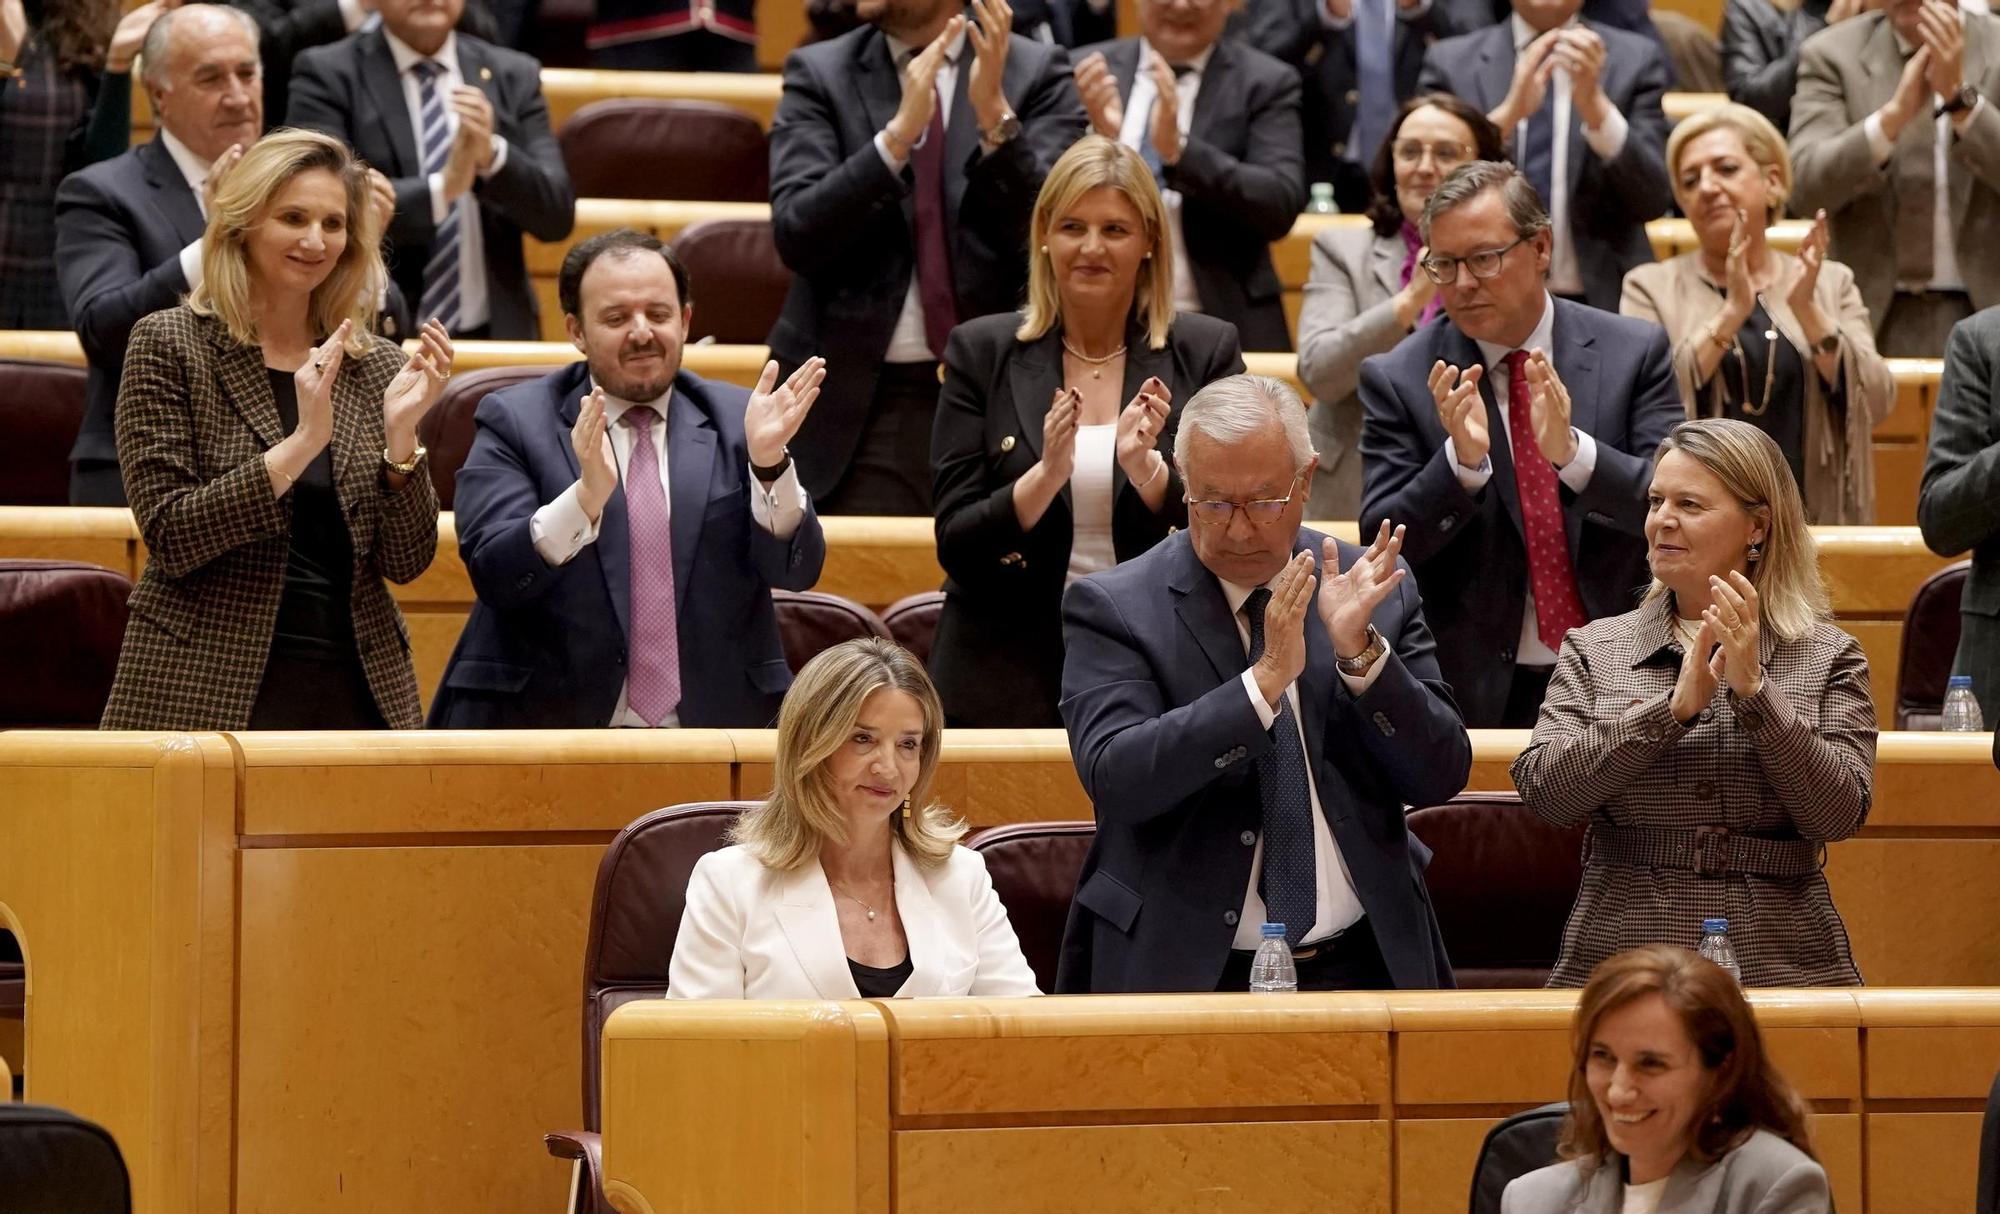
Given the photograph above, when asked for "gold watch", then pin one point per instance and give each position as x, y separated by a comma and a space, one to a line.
405, 469
1370, 653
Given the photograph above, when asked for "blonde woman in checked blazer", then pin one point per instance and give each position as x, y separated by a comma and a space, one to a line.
269, 446
1715, 739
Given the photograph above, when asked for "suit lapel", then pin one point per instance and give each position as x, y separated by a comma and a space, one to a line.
1212, 101
961, 134
1203, 610
1495, 70
690, 467
811, 924
1317, 680
171, 193
930, 958
1461, 351
1385, 260
1881, 68
1123, 60
379, 76
241, 368
1141, 363
1576, 361
614, 530
1958, 176
880, 86
474, 70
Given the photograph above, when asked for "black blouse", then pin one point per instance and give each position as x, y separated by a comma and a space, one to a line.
1771, 398
880, 983
314, 619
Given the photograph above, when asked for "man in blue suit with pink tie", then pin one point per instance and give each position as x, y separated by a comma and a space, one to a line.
624, 522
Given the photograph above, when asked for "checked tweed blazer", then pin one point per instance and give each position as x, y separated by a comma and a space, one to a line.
1794, 761
195, 416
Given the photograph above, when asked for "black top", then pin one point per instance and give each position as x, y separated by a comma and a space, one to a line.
313, 616
1782, 412
880, 984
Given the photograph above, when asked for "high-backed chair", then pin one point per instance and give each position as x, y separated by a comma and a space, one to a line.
652, 147
448, 428
41, 409
913, 621
61, 626
635, 914
1517, 1146
1930, 641
54, 1162
1989, 1155
811, 622
1034, 866
737, 278
1502, 882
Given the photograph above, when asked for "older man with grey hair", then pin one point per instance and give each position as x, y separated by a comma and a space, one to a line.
1251, 704
1516, 443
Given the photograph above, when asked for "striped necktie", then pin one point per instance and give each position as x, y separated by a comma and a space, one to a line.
441, 272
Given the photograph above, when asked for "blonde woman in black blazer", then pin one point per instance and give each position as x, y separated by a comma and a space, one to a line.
1047, 452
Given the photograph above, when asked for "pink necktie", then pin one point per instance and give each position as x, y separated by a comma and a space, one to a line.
1551, 577
653, 689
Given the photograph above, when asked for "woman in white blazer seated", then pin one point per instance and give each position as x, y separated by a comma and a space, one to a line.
849, 882
1674, 1108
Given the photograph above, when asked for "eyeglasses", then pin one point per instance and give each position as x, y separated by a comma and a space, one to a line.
1411, 152
1444, 270
1219, 512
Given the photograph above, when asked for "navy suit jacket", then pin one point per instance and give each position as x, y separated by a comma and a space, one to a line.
545, 647
1165, 740
1610, 201
1469, 550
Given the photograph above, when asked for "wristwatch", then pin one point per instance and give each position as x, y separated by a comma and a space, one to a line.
1964, 99
774, 471
1360, 662
1003, 130
406, 469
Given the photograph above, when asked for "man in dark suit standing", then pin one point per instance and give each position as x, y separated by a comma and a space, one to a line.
1218, 123
624, 522
461, 129
129, 229
1525, 519
1580, 105
1249, 734
1958, 507
905, 159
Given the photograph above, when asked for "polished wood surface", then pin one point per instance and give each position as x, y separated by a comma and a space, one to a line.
1371, 1102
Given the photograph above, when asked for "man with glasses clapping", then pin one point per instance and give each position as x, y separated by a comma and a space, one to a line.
1515, 441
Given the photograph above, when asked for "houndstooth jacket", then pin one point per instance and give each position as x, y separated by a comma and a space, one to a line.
1796, 761
195, 415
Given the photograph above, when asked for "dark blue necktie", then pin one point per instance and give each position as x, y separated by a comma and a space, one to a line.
441, 271
1374, 77
1288, 885
1538, 153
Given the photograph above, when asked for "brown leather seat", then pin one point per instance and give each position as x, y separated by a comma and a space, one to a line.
1930, 642
448, 428
655, 147
913, 621
810, 622
61, 626
635, 914
41, 409
1034, 866
736, 277
1502, 882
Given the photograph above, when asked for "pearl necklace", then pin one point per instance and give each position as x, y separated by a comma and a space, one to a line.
1096, 364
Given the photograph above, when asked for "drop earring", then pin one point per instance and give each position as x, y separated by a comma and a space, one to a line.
1755, 553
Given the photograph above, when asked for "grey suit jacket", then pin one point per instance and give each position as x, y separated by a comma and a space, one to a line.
1760, 53
1766, 1175
1847, 72
1348, 314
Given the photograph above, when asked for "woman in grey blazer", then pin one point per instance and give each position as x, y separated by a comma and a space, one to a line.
1363, 295
1674, 1108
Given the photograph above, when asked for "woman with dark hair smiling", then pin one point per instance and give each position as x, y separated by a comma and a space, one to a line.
1365, 294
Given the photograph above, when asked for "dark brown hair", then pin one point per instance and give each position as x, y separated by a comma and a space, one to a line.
1488, 143
1746, 1093
78, 31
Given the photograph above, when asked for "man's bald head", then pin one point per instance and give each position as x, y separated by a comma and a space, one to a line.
202, 73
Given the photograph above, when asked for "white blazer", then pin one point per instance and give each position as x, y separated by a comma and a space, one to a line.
751, 932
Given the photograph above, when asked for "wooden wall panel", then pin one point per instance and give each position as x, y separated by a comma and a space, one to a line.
1524, 1067
1922, 1161
1919, 911
1434, 1161
1932, 1062
1837, 1140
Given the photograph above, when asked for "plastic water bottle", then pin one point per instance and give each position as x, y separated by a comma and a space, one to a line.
1961, 711
1715, 946
1271, 969
1321, 202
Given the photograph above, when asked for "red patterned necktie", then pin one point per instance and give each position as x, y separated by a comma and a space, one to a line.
1551, 577
653, 681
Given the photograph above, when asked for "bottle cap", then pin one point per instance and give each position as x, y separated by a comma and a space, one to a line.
1715, 927
1274, 931
1959, 680
1322, 189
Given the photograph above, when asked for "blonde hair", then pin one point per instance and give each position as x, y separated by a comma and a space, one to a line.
817, 719
1764, 142
1091, 162
243, 201
1791, 595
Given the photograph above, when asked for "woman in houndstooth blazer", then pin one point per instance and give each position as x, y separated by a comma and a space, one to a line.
1715, 739
269, 446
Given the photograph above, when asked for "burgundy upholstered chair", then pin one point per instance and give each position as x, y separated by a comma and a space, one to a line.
810, 622
654, 147
913, 621
62, 624
1034, 866
1930, 642
41, 409
1502, 882
635, 914
736, 277
447, 430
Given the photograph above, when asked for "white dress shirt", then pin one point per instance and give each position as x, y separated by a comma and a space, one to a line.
1576, 473
1090, 501
195, 170
472, 302
1945, 275
1339, 906
1565, 274
561, 529
908, 342
1137, 133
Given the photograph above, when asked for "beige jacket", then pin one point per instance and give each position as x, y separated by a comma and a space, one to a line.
1839, 450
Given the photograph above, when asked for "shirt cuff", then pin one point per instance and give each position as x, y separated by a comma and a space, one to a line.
1472, 480
888, 157
1608, 139
1577, 472
191, 265
439, 207
781, 508
499, 158
352, 14
561, 529
1879, 144
1266, 715
1360, 683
